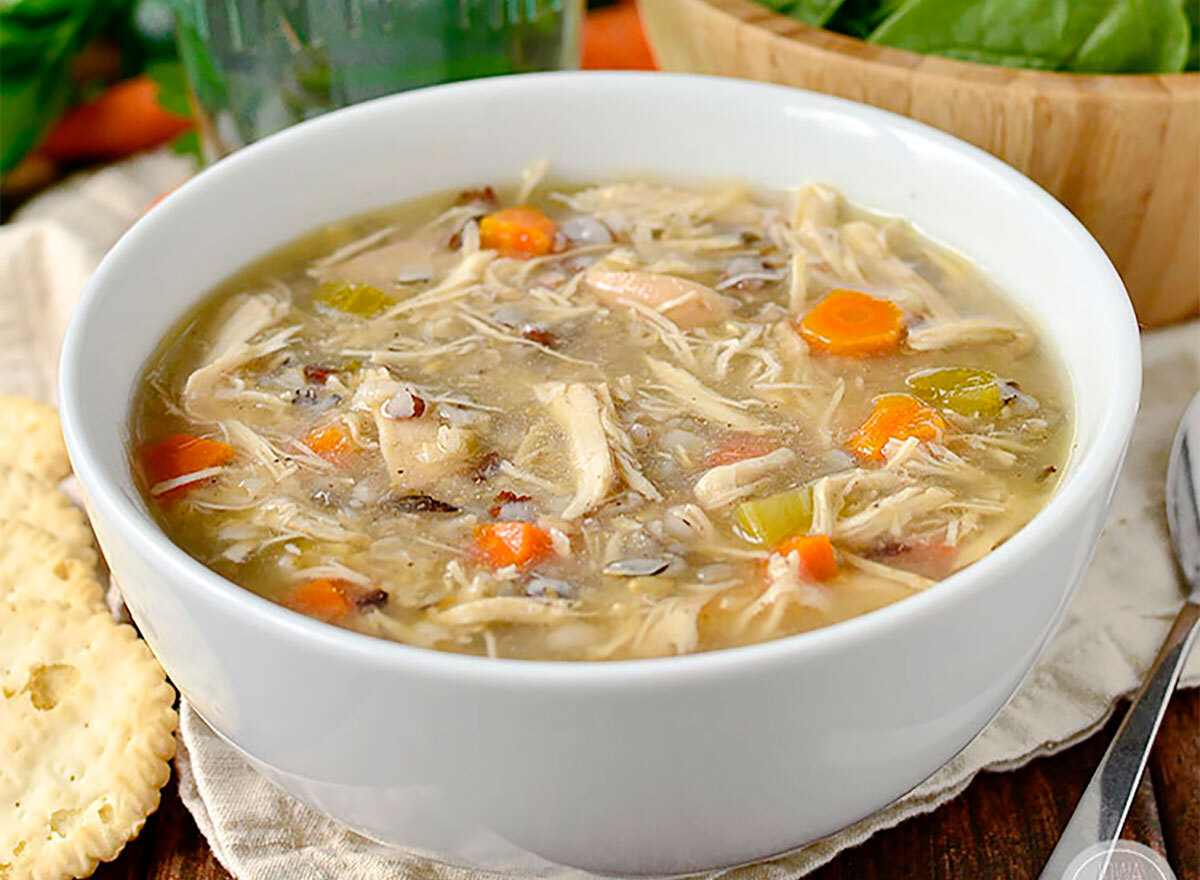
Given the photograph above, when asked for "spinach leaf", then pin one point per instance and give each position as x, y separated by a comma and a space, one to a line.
1192, 9
858, 18
1087, 36
38, 40
810, 12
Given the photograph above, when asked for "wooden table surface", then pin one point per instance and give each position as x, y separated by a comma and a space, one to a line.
1003, 826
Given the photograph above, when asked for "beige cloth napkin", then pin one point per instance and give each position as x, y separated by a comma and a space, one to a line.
1112, 631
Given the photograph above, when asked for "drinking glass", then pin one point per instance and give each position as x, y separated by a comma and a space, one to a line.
257, 66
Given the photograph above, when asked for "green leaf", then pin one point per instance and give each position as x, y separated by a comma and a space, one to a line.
1192, 9
858, 18
188, 144
811, 12
38, 41
1087, 36
172, 86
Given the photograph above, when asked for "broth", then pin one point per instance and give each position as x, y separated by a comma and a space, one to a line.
629, 420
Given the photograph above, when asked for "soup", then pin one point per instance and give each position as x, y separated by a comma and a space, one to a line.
600, 422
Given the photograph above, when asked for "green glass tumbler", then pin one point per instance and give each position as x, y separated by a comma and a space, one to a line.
257, 66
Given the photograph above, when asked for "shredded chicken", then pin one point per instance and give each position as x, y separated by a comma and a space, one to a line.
622, 447
413, 259
531, 177
725, 484
964, 331
687, 303
577, 410
880, 266
700, 399
457, 284
233, 348
786, 586
889, 515
504, 609
419, 452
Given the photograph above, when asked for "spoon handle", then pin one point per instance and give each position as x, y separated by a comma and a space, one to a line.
1102, 808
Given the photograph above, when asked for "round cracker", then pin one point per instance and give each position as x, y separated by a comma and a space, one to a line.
31, 438
86, 723
36, 565
37, 502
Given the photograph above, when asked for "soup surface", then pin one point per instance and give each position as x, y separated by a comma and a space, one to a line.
615, 421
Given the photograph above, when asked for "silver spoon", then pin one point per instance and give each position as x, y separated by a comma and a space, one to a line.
1101, 812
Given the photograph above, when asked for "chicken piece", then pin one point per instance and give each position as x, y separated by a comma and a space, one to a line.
412, 259
727, 483
419, 451
965, 331
786, 586
577, 410
504, 609
699, 399
232, 348
888, 515
622, 448
687, 303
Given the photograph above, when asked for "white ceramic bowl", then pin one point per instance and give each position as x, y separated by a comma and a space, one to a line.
660, 766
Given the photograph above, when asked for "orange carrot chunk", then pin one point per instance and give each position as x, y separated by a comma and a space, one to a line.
853, 324
178, 455
511, 543
895, 417
322, 598
816, 555
332, 443
520, 233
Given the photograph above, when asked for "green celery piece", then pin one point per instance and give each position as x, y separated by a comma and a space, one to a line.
1086, 36
362, 300
769, 520
966, 391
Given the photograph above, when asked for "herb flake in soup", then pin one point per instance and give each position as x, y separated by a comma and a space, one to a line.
614, 421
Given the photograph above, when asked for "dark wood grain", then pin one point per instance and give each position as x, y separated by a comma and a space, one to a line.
1175, 769
1003, 826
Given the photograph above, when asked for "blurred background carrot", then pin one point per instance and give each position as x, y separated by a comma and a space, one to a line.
612, 39
125, 118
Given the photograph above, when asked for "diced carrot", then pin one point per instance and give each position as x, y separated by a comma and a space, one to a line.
520, 232
895, 417
332, 443
511, 543
740, 448
178, 455
853, 324
126, 118
322, 598
816, 555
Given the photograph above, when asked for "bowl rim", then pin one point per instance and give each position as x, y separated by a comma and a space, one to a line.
1066, 504
749, 13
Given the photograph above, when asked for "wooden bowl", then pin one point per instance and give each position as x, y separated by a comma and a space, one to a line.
1122, 152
